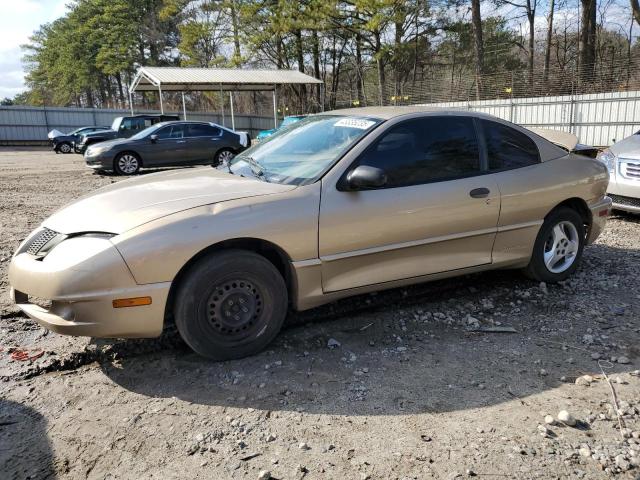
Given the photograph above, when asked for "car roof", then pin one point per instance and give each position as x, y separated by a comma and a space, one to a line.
387, 113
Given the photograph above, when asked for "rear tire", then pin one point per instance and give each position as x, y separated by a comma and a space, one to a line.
223, 155
230, 304
558, 248
127, 163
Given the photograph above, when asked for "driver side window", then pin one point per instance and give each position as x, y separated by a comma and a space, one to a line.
426, 150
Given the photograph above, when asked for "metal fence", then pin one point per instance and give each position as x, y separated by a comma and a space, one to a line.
30, 125
598, 119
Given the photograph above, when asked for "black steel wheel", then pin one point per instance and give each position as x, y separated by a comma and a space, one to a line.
230, 304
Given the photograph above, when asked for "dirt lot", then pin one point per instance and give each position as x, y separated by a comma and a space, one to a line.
408, 389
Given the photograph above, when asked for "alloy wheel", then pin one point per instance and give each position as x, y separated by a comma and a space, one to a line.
65, 148
225, 156
128, 164
561, 247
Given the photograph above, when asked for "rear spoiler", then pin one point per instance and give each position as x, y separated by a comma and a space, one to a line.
566, 140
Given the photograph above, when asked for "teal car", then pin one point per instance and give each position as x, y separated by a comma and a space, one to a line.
286, 121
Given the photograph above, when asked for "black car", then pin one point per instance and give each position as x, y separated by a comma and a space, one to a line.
63, 142
167, 144
122, 127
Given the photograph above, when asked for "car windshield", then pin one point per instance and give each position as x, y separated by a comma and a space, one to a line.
116, 123
300, 154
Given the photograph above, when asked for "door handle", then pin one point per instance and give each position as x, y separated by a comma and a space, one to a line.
181, 141
479, 193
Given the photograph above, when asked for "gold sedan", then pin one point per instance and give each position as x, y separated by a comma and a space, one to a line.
338, 204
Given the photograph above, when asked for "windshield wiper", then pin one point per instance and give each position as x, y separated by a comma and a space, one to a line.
256, 168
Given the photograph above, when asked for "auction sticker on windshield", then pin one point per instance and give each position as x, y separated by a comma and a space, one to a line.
354, 123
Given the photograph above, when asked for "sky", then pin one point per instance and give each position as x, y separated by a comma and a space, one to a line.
18, 20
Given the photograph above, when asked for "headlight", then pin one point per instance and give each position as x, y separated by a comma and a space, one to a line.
609, 159
95, 150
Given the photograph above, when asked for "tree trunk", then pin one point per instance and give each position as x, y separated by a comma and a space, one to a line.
120, 89
380, 65
587, 39
237, 53
300, 60
316, 64
479, 45
531, 14
547, 51
359, 72
635, 6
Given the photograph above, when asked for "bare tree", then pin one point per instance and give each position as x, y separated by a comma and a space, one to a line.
547, 51
635, 6
476, 20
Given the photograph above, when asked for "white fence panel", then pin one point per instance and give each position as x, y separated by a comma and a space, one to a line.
598, 119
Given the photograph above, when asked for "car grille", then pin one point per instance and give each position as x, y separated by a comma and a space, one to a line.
628, 201
630, 169
39, 240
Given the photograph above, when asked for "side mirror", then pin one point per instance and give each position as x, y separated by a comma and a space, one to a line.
153, 138
364, 177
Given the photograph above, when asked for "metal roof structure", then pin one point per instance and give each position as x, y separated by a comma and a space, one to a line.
216, 79
188, 79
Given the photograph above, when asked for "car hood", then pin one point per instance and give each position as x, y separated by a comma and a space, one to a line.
627, 148
112, 143
124, 205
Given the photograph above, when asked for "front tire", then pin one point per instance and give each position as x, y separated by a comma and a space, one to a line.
64, 147
558, 248
230, 305
127, 163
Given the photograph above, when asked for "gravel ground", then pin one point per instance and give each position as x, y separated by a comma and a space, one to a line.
401, 384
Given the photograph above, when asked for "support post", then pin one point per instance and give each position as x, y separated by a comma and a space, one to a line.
160, 95
275, 108
222, 102
233, 120
184, 108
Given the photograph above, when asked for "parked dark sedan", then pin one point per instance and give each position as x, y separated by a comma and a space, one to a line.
122, 127
167, 144
63, 142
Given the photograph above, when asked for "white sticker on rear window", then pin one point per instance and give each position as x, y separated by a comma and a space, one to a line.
354, 123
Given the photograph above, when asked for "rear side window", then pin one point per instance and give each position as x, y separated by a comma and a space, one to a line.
508, 148
202, 130
426, 150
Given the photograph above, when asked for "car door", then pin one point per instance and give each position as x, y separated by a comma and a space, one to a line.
436, 213
513, 160
203, 142
168, 149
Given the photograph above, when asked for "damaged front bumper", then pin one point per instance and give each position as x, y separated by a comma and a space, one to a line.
72, 291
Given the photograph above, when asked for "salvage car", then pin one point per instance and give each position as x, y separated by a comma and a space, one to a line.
286, 121
122, 127
63, 142
167, 144
623, 162
341, 203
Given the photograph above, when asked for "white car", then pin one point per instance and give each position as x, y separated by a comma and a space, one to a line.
623, 161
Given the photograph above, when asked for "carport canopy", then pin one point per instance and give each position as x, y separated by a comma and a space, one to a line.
179, 79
